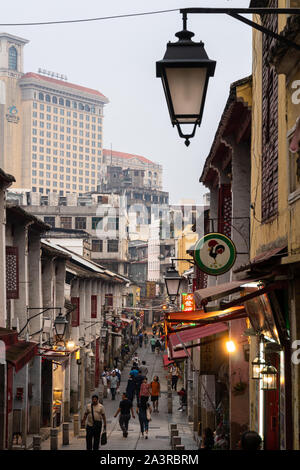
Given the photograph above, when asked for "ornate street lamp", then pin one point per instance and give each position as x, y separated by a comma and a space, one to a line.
257, 366
172, 281
269, 378
185, 71
60, 324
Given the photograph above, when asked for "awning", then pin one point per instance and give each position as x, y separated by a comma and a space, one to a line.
19, 354
166, 360
196, 333
262, 258
55, 356
205, 317
203, 296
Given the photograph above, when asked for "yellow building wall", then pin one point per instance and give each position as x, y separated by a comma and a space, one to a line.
184, 241
264, 236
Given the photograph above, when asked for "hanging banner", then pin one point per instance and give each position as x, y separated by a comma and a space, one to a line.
215, 254
187, 303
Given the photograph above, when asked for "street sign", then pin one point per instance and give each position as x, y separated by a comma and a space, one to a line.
215, 254
151, 289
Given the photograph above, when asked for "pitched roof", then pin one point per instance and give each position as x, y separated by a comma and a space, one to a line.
55, 81
128, 156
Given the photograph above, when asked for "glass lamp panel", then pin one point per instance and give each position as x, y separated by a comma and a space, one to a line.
60, 328
186, 87
172, 286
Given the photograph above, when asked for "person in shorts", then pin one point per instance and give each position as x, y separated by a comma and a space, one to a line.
155, 392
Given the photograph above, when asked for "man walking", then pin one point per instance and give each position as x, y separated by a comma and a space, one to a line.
94, 414
152, 342
144, 369
114, 382
125, 407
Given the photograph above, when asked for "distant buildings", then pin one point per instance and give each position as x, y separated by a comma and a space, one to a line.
51, 137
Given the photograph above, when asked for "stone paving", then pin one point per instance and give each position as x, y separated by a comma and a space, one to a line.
159, 436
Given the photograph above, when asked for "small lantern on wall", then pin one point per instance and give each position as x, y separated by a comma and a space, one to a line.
257, 366
60, 324
269, 378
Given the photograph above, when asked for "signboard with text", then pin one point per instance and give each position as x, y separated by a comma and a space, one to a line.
187, 302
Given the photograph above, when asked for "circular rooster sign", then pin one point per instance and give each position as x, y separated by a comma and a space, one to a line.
215, 254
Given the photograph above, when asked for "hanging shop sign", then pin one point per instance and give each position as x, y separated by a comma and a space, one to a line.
187, 303
215, 254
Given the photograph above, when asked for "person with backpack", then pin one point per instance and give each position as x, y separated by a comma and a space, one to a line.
152, 343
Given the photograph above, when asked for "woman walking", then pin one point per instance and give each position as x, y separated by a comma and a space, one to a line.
155, 392
175, 376
130, 389
144, 411
144, 390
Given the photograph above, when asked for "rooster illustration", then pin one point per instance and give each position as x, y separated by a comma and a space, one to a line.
215, 249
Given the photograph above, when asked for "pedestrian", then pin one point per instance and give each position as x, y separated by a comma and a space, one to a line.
144, 411
125, 407
130, 389
175, 376
136, 360
118, 373
157, 346
182, 398
145, 339
116, 360
134, 371
155, 392
114, 383
208, 441
143, 368
144, 390
94, 415
141, 337
250, 440
152, 343
138, 382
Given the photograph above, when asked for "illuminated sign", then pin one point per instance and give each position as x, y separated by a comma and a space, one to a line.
215, 254
187, 302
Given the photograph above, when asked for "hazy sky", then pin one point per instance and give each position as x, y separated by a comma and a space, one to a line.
117, 57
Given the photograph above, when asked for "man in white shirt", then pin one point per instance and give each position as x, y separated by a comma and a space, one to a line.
94, 415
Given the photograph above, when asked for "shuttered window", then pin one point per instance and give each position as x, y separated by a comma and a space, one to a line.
12, 272
93, 306
269, 164
108, 300
76, 312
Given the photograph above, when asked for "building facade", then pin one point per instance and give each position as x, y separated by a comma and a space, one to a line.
51, 130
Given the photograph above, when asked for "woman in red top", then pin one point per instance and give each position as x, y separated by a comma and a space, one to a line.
144, 391
155, 393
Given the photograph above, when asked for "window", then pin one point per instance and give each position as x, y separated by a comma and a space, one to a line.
81, 107
54, 100
13, 58
50, 221
97, 222
112, 246
61, 101
80, 223
75, 313
66, 222
68, 103
48, 98
93, 306
41, 96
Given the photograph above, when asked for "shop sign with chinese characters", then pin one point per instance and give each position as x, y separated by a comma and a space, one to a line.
187, 302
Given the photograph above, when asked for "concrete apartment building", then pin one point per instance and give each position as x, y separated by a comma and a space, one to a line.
50, 129
140, 170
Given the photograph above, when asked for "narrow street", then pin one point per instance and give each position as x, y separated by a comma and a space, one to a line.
159, 437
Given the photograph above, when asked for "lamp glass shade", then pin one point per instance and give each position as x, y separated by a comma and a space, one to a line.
186, 86
257, 366
60, 324
269, 378
172, 281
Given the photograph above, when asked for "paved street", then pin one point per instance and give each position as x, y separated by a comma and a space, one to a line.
159, 426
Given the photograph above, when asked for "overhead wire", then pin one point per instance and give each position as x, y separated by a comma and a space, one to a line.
84, 20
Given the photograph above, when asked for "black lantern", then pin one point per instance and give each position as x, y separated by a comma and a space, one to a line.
172, 280
269, 378
60, 324
257, 366
185, 71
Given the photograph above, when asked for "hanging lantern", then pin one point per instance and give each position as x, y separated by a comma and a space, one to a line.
257, 366
60, 324
269, 378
